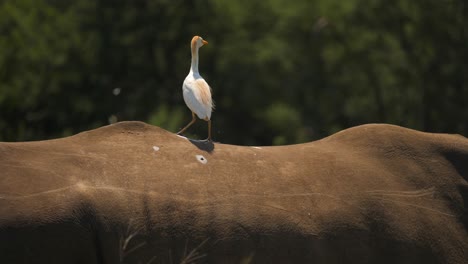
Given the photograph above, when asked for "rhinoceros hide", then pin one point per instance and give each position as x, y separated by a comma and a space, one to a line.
135, 193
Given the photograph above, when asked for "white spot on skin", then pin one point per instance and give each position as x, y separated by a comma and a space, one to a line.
201, 159
181, 136
156, 148
257, 147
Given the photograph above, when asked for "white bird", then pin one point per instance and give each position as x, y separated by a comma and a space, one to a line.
197, 93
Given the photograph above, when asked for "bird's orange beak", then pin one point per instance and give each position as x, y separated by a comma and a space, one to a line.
205, 42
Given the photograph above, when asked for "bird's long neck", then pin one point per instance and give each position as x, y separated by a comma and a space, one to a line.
194, 66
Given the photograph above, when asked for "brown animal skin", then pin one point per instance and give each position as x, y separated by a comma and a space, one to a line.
135, 193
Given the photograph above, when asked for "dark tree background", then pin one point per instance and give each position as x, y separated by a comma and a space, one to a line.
281, 71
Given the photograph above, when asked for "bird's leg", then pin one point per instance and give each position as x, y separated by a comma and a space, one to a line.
188, 125
209, 131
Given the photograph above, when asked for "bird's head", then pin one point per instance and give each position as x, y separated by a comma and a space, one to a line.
198, 41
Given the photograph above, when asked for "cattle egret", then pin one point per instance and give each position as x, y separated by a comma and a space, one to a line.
197, 93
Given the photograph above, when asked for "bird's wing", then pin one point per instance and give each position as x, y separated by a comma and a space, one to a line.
203, 92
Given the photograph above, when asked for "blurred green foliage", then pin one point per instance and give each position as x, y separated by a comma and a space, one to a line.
281, 71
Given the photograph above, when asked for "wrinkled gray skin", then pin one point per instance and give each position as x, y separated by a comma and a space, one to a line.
134, 193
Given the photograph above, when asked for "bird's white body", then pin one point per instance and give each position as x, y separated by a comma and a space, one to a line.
197, 93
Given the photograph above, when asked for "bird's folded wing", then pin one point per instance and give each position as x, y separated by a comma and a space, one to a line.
203, 92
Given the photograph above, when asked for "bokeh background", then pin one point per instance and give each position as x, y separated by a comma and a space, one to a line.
281, 71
